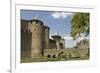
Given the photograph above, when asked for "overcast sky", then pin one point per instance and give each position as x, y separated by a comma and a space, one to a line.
58, 22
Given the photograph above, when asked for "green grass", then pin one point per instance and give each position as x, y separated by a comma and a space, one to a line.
44, 59
73, 54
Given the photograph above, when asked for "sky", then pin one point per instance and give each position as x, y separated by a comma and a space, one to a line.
58, 22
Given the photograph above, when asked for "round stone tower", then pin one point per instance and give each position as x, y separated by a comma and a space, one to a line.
37, 29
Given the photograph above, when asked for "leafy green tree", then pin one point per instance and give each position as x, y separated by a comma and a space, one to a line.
80, 24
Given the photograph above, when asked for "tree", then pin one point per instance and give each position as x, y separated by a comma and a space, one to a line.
80, 24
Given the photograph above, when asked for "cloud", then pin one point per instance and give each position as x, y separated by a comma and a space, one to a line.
68, 38
58, 15
69, 42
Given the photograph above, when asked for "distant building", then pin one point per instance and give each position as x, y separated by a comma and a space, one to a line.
83, 44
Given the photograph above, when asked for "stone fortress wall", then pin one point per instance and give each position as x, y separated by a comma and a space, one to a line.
35, 39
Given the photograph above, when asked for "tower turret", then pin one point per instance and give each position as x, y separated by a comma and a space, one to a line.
57, 39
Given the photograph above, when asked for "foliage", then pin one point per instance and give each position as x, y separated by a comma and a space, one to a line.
80, 24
